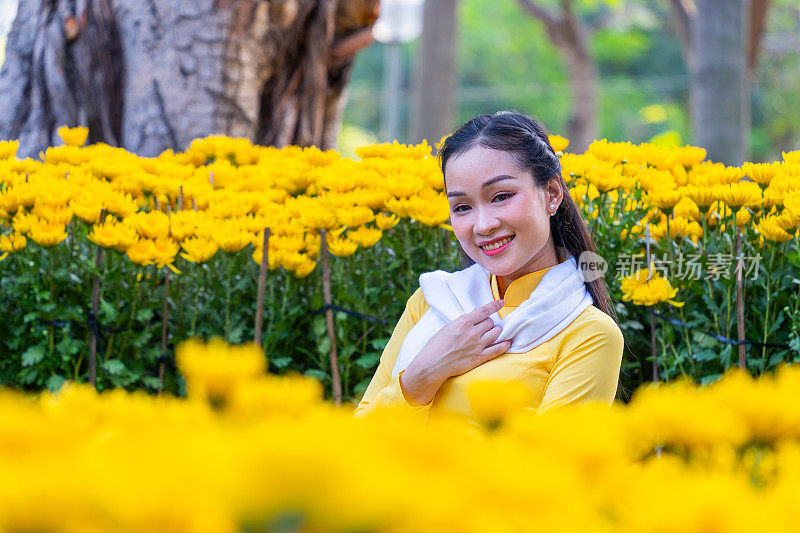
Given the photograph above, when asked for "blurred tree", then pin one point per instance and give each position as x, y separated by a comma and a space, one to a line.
154, 74
572, 36
721, 43
435, 74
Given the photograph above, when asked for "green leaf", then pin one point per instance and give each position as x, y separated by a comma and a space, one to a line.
703, 340
33, 355
109, 311
705, 355
324, 345
54, 382
319, 327
368, 361
151, 382
144, 315
280, 362
235, 336
379, 344
114, 366
711, 378
28, 375
316, 374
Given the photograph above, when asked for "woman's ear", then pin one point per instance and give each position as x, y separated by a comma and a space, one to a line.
555, 193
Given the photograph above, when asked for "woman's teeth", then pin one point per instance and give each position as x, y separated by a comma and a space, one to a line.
497, 244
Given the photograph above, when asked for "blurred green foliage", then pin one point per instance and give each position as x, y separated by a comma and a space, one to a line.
506, 60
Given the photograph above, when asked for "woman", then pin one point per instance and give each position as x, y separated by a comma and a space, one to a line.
522, 310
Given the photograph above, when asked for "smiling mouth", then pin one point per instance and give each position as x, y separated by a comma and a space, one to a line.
496, 245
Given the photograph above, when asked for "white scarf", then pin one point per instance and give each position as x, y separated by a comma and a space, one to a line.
556, 301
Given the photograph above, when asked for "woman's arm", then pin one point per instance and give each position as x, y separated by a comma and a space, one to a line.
459, 346
384, 390
588, 368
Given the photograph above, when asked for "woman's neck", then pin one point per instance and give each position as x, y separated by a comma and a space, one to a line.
547, 259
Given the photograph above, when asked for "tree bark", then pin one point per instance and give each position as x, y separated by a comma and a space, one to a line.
570, 35
149, 75
435, 78
719, 101
692, 24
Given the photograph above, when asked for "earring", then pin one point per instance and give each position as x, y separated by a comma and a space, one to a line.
552, 206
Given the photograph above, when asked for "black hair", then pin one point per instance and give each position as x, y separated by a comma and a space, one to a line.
527, 139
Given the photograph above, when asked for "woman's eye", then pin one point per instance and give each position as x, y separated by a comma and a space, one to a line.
503, 196
508, 194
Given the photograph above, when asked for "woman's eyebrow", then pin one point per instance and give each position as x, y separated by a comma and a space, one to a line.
485, 184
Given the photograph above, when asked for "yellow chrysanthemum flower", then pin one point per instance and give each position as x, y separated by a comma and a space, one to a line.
141, 252
306, 268
150, 225
664, 199
641, 291
703, 197
73, 136
365, 237
340, 246
198, 250
47, 234
112, 234
558, 142
386, 221
740, 194
12, 243
354, 216
8, 149
761, 173
771, 230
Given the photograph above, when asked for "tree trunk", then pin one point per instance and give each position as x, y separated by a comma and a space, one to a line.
582, 127
719, 102
149, 75
571, 36
435, 79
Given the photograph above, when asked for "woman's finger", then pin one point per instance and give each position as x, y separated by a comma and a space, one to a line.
484, 311
492, 351
491, 335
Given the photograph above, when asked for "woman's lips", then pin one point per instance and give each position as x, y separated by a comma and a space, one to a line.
500, 249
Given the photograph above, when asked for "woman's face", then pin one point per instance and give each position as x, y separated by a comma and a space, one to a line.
491, 200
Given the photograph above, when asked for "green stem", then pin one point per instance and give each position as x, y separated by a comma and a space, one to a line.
227, 295
767, 308
597, 219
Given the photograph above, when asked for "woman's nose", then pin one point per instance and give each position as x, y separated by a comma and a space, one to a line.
485, 221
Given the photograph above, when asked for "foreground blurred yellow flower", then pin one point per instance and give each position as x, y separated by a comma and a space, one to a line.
493, 401
73, 136
216, 368
641, 291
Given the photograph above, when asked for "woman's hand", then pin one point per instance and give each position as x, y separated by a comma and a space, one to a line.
458, 347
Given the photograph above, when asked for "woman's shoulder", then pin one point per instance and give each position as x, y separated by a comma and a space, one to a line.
416, 304
591, 326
